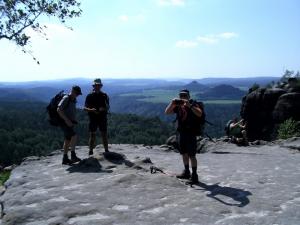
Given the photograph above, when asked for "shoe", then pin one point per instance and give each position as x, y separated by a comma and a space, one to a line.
74, 158
91, 153
66, 161
194, 178
184, 175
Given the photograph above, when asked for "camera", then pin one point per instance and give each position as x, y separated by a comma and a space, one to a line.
178, 102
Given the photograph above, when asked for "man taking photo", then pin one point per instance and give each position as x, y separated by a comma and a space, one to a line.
185, 110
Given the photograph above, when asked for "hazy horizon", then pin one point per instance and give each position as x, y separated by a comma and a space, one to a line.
135, 78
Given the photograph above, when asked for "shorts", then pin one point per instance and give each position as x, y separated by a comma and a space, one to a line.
100, 123
68, 131
187, 143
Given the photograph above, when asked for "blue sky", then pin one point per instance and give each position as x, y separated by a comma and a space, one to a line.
163, 39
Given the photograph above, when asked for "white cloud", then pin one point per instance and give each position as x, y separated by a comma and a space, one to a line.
123, 18
228, 35
216, 38
171, 2
208, 39
186, 44
132, 18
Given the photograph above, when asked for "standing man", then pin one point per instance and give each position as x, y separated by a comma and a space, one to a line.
97, 106
185, 109
67, 111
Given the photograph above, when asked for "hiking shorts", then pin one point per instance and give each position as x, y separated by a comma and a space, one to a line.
69, 132
100, 123
187, 143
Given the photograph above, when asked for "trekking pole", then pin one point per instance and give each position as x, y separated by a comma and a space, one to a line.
209, 137
209, 123
2, 210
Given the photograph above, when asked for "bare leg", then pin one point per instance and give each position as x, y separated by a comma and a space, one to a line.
73, 143
186, 174
193, 161
92, 141
185, 159
66, 160
194, 169
104, 140
66, 146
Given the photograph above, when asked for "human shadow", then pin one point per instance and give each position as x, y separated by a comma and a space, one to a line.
238, 195
117, 158
89, 165
242, 153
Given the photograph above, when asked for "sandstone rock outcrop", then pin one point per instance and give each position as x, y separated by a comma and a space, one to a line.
265, 108
239, 185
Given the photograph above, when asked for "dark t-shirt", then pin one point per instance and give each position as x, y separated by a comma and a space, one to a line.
97, 101
184, 117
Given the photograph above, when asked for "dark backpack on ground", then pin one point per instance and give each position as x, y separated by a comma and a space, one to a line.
54, 118
227, 127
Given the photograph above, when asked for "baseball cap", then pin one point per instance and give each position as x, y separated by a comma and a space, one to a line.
77, 89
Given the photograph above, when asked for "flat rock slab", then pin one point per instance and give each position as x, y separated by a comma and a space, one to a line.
239, 185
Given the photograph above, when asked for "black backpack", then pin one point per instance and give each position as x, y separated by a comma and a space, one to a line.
54, 118
198, 123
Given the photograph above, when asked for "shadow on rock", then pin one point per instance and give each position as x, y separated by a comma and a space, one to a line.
242, 153
89, 165
238, 195
117, 158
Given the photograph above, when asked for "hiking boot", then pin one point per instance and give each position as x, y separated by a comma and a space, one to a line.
74, 157
91, 153
66, 161
184, 175
194, 178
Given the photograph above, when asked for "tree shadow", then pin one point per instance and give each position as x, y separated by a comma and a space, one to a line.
89, 165
238, 195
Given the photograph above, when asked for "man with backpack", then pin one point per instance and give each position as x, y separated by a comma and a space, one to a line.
97, 106
66, 110
190, 115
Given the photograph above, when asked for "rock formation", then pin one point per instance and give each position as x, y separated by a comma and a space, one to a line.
265, 108
239, 185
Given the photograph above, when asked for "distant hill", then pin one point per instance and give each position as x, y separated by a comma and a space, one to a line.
41, 94
238, 82
223, 91
193, 86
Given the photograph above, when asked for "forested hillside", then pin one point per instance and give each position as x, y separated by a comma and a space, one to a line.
24, 131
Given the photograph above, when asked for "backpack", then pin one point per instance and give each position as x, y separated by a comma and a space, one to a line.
54, 118
227, 127
196, 124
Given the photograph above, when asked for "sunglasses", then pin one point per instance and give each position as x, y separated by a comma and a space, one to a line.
183, 95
